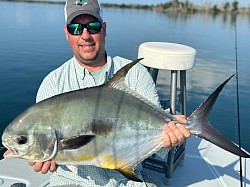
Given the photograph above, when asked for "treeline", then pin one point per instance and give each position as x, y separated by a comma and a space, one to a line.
135, 6
171, 6
37, 1
187, 7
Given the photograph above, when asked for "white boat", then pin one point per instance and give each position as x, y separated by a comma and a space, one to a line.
204, 165
197, 164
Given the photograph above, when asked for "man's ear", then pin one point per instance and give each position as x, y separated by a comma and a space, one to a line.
104, 27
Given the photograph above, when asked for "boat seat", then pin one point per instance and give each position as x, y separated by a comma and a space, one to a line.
177, 59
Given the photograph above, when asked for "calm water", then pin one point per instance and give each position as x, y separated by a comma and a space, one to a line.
32, 43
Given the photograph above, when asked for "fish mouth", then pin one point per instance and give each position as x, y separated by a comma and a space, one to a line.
10, 153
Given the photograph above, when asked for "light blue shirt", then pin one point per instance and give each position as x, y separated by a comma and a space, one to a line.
72, 76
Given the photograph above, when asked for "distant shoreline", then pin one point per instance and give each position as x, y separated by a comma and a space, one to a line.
36, 1
169, 7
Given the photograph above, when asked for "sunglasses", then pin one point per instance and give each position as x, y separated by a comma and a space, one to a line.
77, 28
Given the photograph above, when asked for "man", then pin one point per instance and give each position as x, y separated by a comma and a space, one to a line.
91, 66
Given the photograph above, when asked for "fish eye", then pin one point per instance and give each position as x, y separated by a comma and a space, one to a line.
21, 139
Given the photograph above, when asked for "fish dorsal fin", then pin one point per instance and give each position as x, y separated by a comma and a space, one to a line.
75, 142
129, 173
118, 80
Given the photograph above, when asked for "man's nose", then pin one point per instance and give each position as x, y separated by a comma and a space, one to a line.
85, 34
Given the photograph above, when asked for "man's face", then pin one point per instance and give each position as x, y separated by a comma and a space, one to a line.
88, 48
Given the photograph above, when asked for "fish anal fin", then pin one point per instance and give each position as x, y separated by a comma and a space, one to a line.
75, 142
129, 173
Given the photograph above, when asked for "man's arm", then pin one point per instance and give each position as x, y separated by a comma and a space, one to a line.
47, 88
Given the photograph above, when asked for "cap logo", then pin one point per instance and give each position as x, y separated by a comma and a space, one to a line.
81, 2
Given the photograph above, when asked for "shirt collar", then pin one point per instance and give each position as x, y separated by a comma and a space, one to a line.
83, 72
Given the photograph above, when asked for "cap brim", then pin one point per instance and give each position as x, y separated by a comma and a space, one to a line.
77, 13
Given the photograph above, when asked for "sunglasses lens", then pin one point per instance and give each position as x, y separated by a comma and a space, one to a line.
75, 28
94, 27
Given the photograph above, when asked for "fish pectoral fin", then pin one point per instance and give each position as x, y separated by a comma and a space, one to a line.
129, 173
75, 142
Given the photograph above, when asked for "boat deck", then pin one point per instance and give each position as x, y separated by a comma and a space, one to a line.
205, 165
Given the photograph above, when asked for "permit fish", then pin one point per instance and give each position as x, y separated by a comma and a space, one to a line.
108, 126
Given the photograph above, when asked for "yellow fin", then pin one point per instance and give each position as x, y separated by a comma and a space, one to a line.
109, 162
129, 173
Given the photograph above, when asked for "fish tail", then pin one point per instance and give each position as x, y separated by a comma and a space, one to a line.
199, 125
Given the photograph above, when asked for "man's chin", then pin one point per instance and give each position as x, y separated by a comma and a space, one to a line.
89, 58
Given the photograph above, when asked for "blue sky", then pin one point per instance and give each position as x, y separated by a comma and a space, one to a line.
241, 2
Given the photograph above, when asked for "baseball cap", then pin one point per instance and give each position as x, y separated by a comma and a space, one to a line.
74, 8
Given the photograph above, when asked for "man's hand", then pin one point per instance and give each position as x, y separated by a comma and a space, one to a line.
43, 167
175, 134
